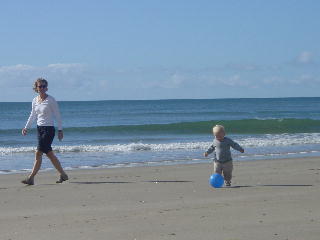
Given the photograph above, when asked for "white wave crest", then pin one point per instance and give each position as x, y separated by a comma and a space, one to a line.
258, 141
281, 140
132, 147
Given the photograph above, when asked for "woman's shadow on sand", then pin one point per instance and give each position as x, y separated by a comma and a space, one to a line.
108, 182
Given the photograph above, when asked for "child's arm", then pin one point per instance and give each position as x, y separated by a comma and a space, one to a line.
210, 150
236, 146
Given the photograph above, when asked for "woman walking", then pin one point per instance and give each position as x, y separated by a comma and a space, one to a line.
44, 109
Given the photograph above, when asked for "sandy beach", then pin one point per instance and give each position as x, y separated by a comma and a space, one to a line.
273, 199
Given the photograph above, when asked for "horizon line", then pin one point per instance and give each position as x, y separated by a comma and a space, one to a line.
164, 99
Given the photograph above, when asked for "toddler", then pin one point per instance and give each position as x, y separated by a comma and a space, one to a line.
222, 155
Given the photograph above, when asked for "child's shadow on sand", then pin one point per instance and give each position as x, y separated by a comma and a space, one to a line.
109, 182
286, 185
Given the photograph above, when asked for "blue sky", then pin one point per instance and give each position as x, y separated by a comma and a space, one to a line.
96, 50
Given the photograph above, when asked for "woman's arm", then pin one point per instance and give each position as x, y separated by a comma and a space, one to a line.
56, 113
31, 118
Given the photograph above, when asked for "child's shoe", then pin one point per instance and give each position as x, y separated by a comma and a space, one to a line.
228, 184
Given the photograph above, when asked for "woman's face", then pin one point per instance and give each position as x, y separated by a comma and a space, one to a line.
42, 87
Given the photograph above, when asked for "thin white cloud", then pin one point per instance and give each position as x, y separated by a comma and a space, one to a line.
242, 67
17, 69
24, 75
305, 58
301, 80
75, 81
169, 81
234, 80
306, 79
14, 68
65, 65
68, 81
273, 80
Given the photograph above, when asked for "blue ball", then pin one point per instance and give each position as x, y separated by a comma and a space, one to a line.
216, 180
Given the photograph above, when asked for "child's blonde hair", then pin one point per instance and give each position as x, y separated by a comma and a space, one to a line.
218, 128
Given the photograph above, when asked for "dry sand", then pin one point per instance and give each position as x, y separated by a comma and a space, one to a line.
274, 199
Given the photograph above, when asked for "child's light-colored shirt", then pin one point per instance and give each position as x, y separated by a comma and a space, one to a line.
221, 149
45, 112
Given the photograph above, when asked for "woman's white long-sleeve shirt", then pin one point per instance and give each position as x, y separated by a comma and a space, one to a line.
45, 112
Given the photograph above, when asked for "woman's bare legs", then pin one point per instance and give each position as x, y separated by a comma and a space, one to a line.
36, 167
37, 164
56, 163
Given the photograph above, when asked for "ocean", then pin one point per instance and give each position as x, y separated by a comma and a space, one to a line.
108, 134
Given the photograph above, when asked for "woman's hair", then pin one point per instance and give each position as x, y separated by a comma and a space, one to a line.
38, 82
218, 128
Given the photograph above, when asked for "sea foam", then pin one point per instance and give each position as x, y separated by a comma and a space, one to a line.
254, 141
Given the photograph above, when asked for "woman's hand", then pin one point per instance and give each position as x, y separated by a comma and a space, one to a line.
24, 131
205, 154
60, 135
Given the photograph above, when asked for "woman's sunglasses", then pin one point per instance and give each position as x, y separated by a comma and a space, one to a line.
42, 86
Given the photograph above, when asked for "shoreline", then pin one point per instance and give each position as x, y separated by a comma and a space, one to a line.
269, 200
149, 164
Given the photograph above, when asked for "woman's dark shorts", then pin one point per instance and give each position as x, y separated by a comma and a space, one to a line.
45, 138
